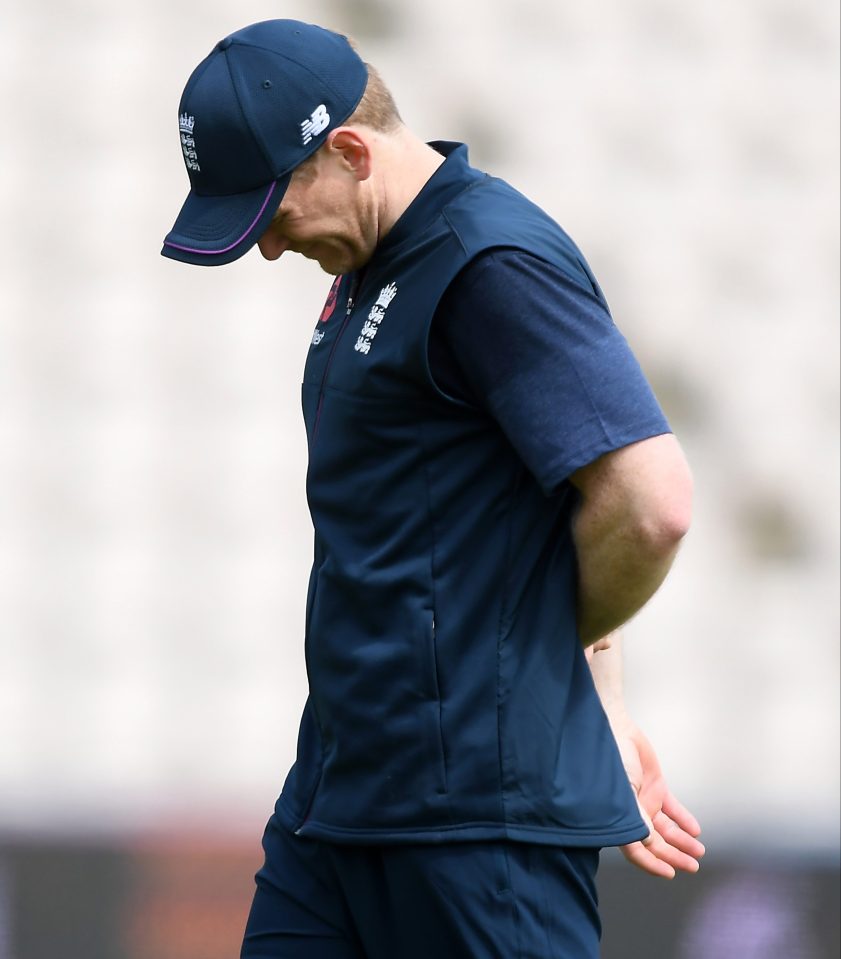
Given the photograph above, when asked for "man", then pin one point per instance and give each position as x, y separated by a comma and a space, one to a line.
494, 491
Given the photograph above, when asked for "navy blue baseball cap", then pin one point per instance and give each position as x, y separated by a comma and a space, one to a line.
257, 106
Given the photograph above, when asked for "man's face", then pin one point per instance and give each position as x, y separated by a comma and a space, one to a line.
325, 215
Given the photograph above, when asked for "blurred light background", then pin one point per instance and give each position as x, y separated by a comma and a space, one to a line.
154, 536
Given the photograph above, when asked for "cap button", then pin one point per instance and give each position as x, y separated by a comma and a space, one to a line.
224, 44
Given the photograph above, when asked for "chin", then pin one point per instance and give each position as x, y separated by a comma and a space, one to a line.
338, 266
331, 268
328, 261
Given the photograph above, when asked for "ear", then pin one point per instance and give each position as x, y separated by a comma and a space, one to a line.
353, 149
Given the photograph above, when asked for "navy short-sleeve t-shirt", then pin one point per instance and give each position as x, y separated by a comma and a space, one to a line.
541, 354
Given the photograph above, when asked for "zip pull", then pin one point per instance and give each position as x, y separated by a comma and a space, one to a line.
355, 283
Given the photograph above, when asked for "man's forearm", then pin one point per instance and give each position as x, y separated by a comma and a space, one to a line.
605, 659
634, 511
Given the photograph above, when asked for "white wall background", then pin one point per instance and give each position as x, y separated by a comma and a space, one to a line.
154, 539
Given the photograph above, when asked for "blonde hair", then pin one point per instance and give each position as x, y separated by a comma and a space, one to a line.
377, 108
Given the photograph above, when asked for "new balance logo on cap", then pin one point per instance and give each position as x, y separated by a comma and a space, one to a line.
317, 121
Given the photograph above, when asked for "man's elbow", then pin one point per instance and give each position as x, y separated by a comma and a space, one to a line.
664, 533
641, 495
669, 516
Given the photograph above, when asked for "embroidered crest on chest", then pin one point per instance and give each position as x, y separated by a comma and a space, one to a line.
375, 317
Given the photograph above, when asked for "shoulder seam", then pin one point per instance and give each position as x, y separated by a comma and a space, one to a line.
446, 214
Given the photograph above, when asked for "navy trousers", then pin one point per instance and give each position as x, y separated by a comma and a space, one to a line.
466, 900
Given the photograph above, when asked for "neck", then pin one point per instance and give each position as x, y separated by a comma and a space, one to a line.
406, 164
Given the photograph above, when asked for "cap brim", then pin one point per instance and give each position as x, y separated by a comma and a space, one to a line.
214, 230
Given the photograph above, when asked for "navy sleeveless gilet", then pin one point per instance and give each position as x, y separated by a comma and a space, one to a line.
449, 696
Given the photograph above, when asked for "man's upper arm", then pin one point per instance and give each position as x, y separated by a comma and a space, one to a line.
543, 356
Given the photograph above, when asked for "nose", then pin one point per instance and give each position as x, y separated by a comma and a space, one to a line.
272, 246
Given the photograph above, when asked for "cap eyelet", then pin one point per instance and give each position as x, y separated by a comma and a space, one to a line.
267, 84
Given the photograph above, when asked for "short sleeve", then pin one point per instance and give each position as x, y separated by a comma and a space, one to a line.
541, 354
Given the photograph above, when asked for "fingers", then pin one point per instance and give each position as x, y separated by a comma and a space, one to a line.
667, 849
679, 827
676, 847
676, 811
676, 836
643, 858
669, 854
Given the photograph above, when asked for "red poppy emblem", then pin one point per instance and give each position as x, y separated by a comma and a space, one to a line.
330, 302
